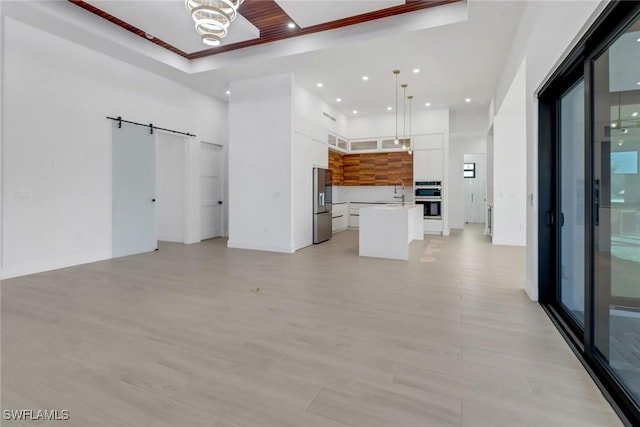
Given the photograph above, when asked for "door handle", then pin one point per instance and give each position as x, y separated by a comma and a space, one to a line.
472, 197
219, 202
153, 200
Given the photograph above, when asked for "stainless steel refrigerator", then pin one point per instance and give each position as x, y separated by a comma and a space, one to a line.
321, 205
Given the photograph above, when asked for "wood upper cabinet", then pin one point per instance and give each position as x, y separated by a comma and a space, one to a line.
336, 165
378, 168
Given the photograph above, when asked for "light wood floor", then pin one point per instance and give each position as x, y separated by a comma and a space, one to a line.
183, 337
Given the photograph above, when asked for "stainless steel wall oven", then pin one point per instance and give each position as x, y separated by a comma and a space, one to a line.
428, 194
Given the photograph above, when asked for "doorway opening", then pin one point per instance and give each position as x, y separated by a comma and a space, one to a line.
475, 188
211, 191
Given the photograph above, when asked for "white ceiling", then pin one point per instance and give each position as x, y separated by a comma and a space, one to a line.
459, 48
307, 13
456, 61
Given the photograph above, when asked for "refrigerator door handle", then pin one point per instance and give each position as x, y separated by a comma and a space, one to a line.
321, 202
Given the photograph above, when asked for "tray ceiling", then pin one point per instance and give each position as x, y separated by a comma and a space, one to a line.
168, 24
307, 13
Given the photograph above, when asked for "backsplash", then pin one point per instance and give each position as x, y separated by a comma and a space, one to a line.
371, 193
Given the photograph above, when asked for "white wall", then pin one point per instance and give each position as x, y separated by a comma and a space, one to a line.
383, 125
468, 122
509, 162
57, 143
286, 140
546, 33
260, 163
309, 109
171, 186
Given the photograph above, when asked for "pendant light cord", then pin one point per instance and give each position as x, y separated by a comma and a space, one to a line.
396, 72
404, 113
410, 131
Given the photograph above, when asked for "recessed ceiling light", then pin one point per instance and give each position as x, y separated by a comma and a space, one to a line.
149, 36
624, 130
365, 78
355, 111
427, 104
638, 83
291, 25
613, 125
319, 84
638, 40
338, 99
467, 100
228, 92
416, 70
634, 114
389, 108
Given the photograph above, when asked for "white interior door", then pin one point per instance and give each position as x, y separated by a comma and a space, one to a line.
211, 200
133, 168
475, 189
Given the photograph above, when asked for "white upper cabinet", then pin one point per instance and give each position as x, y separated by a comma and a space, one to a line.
428, 142
388, 144
363, 145
428, 159
337, 142
428, 165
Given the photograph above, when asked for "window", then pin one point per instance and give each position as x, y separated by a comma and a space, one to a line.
469, 170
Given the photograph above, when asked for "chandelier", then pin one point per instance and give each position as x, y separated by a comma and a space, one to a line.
212, 18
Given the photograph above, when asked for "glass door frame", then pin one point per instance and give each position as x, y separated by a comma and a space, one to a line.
612, 22
550, 197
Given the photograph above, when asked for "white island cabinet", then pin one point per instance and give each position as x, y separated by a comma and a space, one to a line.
387, 230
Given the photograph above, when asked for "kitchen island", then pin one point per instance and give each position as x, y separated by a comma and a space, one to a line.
387, 230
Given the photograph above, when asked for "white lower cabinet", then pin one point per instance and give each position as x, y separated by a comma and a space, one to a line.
354, 213
340, 216
432, 226
354, 216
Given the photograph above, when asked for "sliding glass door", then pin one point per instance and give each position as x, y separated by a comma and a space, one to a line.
571, 201
589, 203
616, 225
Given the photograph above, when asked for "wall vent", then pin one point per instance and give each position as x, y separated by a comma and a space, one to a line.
329, 115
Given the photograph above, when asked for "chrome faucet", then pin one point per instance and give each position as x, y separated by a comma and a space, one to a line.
395, 191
